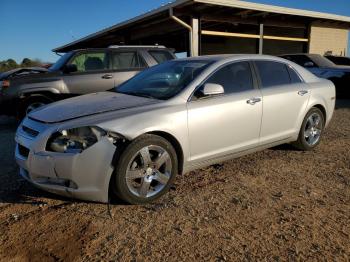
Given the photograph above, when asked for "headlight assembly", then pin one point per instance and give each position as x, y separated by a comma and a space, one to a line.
74, 140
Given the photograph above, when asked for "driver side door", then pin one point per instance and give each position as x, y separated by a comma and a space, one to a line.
228, 123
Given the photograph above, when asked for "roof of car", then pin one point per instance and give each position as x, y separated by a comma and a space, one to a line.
134, 47
231, 56
306, 54
337, 56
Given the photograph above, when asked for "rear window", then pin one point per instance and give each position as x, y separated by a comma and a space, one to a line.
298, 59
161, 56
294, 77
273, 73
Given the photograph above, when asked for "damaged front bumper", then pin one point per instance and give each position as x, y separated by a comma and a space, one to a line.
84, 175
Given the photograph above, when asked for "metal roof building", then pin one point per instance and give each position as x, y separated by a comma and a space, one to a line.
226, 26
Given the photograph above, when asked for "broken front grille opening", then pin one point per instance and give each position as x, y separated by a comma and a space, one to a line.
56, 181
30, 131
23, 151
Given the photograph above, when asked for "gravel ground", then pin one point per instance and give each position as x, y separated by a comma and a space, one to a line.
275, 205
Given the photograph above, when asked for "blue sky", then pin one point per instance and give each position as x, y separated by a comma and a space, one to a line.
32, 28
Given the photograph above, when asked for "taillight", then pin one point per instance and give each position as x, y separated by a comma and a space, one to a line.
5, 83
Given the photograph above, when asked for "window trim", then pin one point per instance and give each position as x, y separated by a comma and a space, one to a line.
89, 72
261, 87
130, 69
296, 72
254, 80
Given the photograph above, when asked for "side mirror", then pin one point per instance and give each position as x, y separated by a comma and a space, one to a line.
210, 89
309, 64
71, 68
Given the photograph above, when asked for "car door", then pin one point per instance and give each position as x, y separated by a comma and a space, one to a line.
93, 73
126, 64
285, 97
228, 123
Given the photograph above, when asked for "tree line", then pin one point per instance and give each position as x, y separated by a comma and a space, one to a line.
10, 64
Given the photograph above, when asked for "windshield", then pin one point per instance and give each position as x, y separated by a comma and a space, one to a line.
61, 62
165, 80
321, 61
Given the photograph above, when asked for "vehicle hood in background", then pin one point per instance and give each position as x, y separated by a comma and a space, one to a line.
22, 72
45, 76
86, 105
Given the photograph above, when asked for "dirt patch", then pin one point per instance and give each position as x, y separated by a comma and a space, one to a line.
278, 204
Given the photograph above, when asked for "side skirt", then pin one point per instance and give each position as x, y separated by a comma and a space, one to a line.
217, 160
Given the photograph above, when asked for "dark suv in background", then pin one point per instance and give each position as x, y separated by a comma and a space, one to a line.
324, 68
339, 60
78, 72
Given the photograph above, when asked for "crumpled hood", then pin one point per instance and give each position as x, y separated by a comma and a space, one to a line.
86, 105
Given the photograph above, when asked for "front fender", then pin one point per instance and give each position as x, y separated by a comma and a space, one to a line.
56, 86
172, 121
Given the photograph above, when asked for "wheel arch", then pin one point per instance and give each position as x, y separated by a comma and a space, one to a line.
322, 109
33, 95
175, 143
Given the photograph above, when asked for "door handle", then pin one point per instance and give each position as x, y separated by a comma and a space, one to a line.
253, 101
302, 92
107, 76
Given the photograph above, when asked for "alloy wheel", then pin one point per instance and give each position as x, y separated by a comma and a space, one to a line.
313, 129
148, 171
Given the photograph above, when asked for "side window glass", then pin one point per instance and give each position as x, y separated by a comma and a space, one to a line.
161, 56
273, 73
294, 77
127, 60
91, 61
234, 78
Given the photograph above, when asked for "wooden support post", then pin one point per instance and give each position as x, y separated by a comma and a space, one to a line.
261, 39
195, 37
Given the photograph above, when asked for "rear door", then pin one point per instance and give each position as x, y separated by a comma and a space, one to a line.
93, 75
285, 97
125, 64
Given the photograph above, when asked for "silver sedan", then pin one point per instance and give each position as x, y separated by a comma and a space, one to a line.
170, 119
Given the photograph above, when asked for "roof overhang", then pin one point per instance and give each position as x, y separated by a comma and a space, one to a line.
246, 9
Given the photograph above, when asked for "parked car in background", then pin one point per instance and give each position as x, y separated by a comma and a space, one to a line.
339, 60
79, 72
170, 119
5, 78
324, 68
21, 72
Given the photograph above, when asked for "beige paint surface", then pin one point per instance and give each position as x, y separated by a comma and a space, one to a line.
325, 38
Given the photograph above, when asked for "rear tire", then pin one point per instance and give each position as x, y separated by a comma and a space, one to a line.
311, 130
145, 170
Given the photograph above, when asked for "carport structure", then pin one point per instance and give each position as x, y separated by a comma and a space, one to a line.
201, 27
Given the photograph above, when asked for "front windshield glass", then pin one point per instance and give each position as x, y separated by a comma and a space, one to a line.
321, 61
165, 80
60, 62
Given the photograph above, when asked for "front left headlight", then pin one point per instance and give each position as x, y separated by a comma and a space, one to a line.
74, 140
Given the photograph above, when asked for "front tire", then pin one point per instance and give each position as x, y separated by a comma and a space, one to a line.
311, 130
146, 169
